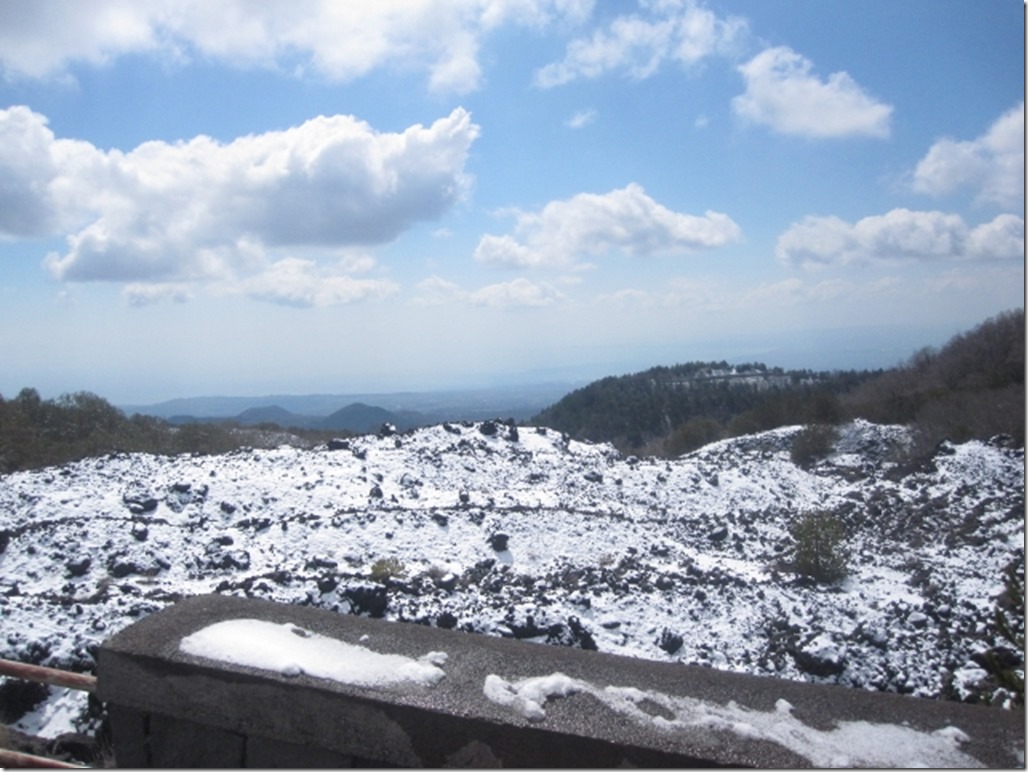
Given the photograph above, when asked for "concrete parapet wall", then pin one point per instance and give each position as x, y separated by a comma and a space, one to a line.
501, 702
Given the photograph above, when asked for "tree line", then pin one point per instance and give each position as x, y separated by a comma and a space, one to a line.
970, 388
35, 432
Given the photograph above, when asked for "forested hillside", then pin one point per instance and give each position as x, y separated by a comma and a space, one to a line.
971, 388
694, 403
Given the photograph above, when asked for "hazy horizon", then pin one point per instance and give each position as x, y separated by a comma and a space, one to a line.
883, 351
226, 199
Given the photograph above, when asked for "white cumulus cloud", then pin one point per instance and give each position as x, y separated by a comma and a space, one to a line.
337, 40
1001, 239
900, 234
203, 210
39, 37
183, 207
784, 93
639, 44
626, 220
37, 173
992, 164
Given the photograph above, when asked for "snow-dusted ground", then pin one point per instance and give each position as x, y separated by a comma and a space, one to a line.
522, 532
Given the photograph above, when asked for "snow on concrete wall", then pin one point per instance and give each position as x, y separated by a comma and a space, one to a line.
224, 681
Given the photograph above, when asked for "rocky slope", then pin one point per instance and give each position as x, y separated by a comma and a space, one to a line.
519, 531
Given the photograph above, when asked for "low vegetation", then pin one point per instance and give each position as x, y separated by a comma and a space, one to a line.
384, 569
813, 443
819, 548
1006, 663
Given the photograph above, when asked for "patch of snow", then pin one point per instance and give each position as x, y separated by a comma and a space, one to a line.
849, 744
291, 650
527, 697
55, 716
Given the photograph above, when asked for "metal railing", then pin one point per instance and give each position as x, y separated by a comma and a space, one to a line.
46, 675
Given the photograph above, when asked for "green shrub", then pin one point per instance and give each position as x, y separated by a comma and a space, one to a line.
813, 443
693, 434
819, 548
385, 569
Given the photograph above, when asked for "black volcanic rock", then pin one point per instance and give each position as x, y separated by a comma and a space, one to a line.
119, 568
817, 665
79, 566
372, 601
216, 557
446, 620
719, 534
670, 641
139, 499
18, 697
327, 584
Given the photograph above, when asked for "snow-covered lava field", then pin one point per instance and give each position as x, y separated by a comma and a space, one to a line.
518, 531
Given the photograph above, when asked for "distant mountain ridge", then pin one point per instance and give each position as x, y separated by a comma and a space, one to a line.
356, 417
416, 408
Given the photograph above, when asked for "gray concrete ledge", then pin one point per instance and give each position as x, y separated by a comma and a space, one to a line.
169, 708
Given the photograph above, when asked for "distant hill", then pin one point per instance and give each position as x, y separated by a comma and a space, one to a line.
971, 388
362, 419
357, 418
272, 414
634, 411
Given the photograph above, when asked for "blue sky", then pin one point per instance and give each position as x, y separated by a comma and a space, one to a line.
252, 198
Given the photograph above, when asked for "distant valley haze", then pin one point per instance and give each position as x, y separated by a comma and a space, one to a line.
365, 412
451, 380
821, 350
